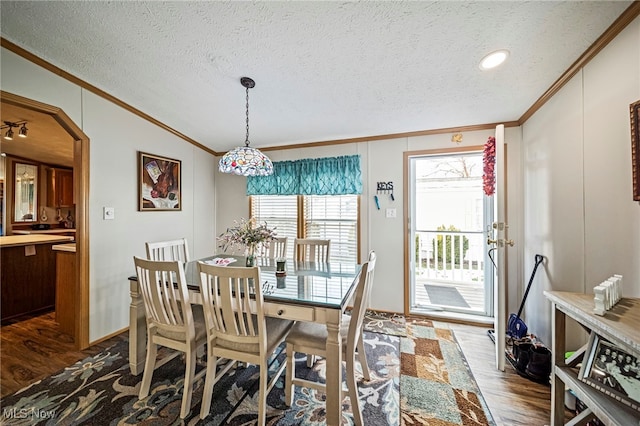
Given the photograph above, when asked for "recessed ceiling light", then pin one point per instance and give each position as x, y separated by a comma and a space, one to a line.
494, 59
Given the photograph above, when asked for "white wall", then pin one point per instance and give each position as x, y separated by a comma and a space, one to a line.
115, 137
382, 161
578, 205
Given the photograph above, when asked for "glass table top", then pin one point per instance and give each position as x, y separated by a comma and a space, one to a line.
310, 283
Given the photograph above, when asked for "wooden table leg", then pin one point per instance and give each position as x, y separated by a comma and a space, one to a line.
137, 330
558, 324
334, 368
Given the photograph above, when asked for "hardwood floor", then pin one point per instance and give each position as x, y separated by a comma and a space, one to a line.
512, 399
35, 348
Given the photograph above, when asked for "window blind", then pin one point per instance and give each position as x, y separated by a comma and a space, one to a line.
334, 217
279, 212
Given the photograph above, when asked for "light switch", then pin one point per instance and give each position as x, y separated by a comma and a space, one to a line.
108, 213
391, 213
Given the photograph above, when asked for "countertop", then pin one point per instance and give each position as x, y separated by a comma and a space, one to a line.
26, 240
44, 231
71, 247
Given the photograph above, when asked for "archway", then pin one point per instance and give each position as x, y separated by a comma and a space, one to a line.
81, 196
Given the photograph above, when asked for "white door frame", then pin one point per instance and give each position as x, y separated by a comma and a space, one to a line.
410, 229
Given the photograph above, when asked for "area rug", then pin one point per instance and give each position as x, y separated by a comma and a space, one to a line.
100, 390
436, 384
445, 296
385, 323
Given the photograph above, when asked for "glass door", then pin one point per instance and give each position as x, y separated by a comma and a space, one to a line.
449, 267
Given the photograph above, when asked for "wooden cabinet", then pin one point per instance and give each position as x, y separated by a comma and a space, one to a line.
619, 326
28, 280
60, 187
65, 290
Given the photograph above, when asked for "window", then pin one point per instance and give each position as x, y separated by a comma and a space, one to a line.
333, 217
279, 212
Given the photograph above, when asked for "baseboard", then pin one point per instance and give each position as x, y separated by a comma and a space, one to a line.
109, 336
457, 318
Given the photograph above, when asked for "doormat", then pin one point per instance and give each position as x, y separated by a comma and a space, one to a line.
445, 296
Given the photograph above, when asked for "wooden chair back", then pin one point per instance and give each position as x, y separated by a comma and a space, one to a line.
232, 300
166, 299
312, 249
360, 302
277, 248
168, 250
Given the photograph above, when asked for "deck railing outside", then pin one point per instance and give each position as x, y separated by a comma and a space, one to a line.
451, 256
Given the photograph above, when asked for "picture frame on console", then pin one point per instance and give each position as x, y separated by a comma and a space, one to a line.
611, 370
159, 183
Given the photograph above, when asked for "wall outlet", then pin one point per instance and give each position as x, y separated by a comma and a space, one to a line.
108, 213
391, 213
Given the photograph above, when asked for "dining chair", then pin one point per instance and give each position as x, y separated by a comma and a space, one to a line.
237, 328
168, 250
311, 249
171, 322
310, 338
277, 248
362, 357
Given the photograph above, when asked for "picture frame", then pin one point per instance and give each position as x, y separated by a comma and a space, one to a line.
159, 183
612, 370
634, 110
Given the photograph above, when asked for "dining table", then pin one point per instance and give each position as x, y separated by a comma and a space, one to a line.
307, 291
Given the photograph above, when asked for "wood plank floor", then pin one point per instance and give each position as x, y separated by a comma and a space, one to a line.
512, 399
33, 349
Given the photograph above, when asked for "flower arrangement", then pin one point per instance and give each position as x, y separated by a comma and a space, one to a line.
489, 163
246, 234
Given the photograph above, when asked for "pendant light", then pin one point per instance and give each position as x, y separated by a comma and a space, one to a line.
10, 126
244, 160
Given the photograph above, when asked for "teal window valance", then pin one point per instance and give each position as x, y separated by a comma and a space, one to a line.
312, 176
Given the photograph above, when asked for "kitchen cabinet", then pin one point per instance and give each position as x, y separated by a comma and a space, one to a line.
28, 276
60, 187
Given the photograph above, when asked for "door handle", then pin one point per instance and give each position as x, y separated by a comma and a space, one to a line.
500, 242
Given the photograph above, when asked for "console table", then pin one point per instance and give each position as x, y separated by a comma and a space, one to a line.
620, 325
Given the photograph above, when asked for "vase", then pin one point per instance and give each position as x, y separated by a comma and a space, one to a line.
251, 256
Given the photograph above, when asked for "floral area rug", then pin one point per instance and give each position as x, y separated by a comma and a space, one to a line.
100, 390
385, 323
436, 384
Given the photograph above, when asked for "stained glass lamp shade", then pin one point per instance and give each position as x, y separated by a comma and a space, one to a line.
246, 161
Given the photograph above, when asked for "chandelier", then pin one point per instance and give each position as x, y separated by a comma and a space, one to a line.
245, 160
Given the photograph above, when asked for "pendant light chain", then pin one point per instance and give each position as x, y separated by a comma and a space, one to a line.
244, 160
246, 141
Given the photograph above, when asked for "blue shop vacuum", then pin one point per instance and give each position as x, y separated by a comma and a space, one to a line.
516, 327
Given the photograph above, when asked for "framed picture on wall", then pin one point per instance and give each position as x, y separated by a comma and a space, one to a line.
160, 183
634, 109
611, 370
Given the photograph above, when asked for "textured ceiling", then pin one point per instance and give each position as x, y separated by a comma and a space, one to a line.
323, 70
